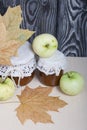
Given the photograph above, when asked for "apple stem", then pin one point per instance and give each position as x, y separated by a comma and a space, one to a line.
47, 45
69, 75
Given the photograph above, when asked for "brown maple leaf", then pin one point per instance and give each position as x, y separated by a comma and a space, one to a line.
11, 35
35, 103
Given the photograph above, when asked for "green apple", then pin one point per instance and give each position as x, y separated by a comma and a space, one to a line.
7, 89
44, 45
71, 83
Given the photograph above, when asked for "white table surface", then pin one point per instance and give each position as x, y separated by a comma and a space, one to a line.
71, 117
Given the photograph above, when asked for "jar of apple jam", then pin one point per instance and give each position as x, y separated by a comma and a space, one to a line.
50, 70
22, 68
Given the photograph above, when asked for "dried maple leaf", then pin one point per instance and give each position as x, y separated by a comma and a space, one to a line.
11, 35
35, 103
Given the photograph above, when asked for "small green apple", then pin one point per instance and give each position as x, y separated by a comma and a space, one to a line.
7, 89
44, 45
71, 83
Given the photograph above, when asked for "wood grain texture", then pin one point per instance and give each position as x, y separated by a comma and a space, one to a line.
65, 19
39, 15
3, 9
11, 3
72, 27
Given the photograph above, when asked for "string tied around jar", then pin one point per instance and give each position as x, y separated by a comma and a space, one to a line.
10, 71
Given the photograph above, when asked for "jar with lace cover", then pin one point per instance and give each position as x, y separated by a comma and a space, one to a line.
23, 66
50, 70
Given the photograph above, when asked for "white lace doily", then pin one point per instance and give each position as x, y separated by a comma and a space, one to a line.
53, 64
19, 70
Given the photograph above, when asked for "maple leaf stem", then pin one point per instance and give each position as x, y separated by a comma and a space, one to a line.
25, 102
9, 102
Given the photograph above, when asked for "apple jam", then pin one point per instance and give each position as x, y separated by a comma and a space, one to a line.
25, 80
49, 80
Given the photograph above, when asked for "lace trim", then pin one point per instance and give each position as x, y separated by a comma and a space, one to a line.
50, 71
53, 64
20, 71
10, 71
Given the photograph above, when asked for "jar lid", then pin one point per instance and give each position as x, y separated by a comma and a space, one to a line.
24, 55
53, 64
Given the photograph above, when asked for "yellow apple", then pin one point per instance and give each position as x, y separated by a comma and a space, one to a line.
44, 45
7, 89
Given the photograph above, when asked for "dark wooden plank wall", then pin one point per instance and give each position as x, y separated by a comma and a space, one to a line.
65, 19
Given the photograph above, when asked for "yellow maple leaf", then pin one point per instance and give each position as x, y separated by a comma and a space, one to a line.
11, 35
35, 103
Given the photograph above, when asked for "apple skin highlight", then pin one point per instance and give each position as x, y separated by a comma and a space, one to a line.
71, 83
